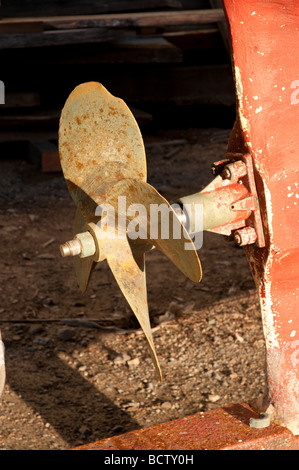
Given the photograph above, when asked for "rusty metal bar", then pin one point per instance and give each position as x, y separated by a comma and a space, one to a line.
227, 428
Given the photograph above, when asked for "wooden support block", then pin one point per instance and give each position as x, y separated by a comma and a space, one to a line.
45, 155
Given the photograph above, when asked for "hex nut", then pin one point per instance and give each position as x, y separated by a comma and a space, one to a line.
88, 247
263, 421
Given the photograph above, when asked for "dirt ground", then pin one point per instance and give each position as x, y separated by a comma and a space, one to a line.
78, 368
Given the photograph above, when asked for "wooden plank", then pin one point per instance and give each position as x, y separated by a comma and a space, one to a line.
45, 155
11, 27
37, 8
55, 38
121, 20
38, 120
137, 20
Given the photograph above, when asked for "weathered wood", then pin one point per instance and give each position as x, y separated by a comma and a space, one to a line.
55, 38
45, 155
120, 20
39, 119
137, 20
20, 27
38, 8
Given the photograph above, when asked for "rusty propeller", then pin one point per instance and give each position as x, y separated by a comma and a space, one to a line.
103, 158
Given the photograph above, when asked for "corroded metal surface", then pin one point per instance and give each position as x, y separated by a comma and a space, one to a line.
230, 200
225, 428
135, 191
264, 38
99, 143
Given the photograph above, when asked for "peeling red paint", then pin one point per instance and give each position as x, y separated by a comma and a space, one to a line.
264, 37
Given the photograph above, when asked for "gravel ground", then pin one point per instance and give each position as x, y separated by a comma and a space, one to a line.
78, 367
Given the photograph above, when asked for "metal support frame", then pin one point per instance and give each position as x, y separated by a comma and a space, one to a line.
230, 202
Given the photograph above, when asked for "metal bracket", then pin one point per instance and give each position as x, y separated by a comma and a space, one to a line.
238, 168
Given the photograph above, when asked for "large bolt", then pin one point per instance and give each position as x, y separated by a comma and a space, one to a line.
83, 244
234, 171
245, 236
71, 248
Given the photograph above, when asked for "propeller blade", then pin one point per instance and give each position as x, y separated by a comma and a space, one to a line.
99, 143
131, 279
177, 244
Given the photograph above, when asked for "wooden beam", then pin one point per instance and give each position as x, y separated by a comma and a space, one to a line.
155, 19
37, 8
21, 27
55, 38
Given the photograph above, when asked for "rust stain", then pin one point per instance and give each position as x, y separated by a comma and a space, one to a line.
220, 429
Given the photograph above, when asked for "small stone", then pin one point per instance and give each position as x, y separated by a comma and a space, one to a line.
233, 376
35, 329
41, 341
16, 338
66, 334
133, 362
121, 358
148, 385
166, 405
214, 398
